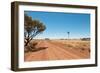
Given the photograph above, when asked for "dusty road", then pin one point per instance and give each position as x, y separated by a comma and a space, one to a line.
56, 51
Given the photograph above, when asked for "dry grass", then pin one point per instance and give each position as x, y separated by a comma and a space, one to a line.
75, 44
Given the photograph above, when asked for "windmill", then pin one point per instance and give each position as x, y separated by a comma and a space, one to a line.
68, 34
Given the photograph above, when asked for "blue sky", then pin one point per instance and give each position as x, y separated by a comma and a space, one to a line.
58, 24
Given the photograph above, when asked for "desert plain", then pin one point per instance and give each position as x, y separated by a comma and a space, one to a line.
57, 49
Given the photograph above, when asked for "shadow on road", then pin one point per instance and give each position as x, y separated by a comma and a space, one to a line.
39, 49
35, 49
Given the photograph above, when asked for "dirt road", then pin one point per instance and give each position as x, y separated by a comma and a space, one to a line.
56, 51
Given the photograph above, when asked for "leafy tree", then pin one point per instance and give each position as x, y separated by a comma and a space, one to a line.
32, 28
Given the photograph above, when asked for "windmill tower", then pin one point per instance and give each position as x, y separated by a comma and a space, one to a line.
68, 34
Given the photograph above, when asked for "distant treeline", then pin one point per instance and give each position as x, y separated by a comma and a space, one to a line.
71, 39
85, 39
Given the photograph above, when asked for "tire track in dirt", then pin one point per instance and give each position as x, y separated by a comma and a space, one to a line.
50, 52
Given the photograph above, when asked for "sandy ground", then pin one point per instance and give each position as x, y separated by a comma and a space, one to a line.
59, 50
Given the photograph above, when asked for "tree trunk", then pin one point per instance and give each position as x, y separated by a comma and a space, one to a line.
27, 42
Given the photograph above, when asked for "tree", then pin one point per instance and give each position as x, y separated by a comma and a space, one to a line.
32, 28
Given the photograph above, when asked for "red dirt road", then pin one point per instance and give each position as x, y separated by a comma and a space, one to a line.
55, 51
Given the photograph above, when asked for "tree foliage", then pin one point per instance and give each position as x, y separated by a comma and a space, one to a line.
32, 28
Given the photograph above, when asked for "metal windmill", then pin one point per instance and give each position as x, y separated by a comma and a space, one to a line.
68, 34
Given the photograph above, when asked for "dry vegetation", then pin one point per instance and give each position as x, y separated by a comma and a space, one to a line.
75, 44
79, 45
